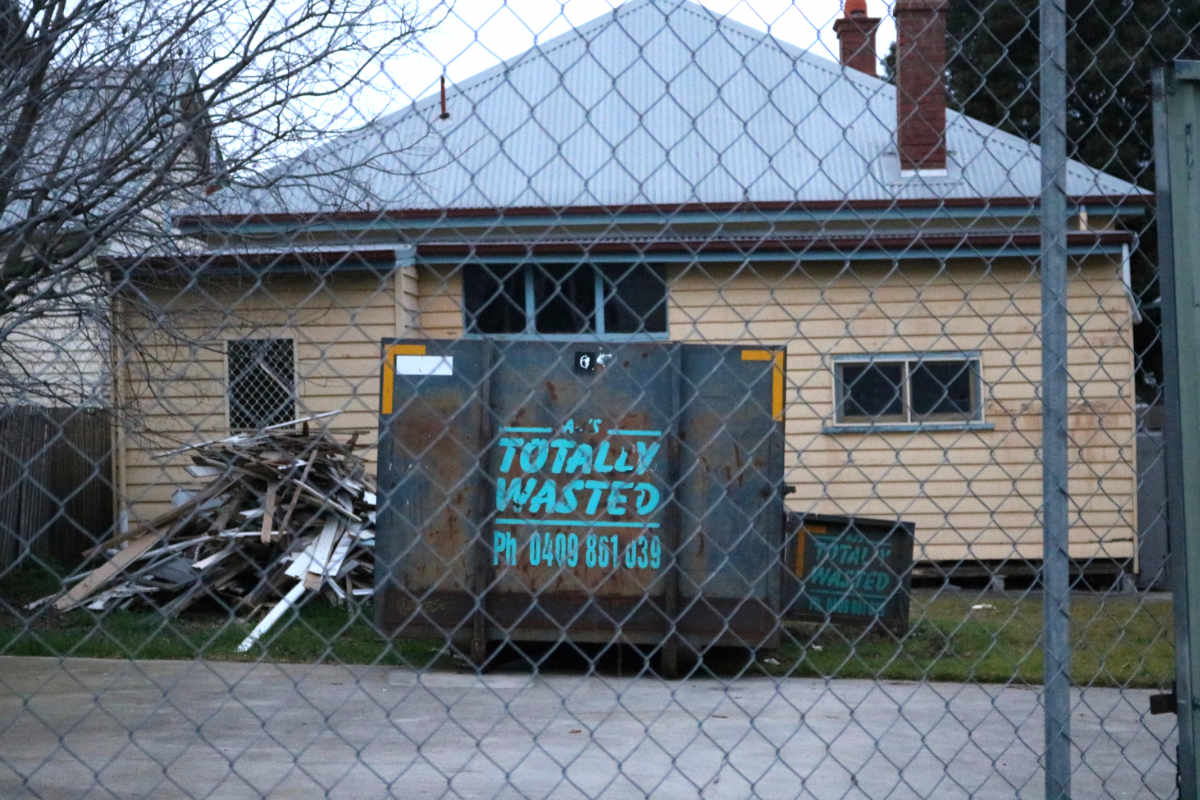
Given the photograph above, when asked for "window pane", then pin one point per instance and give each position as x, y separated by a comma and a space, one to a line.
494, 299
943, 388
872, 391
565, 300
635, 299
261, 383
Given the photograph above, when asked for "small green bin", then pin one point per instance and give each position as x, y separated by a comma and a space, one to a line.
847, 569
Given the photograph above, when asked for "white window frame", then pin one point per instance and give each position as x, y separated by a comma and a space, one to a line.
909, 422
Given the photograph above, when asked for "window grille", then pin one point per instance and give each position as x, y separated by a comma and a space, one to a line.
262, 383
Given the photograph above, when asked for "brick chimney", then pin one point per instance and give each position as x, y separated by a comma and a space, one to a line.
920, 83
856, 35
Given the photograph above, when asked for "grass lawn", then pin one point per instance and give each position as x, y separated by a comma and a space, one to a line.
320, 632
1119, 640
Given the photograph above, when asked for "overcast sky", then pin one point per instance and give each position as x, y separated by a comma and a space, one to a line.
480, 33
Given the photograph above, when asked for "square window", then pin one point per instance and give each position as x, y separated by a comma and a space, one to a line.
261, 383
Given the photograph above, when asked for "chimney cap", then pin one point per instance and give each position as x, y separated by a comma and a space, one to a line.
856, 8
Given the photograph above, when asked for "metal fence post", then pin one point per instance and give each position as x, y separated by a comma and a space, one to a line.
1176, 124
1055, 564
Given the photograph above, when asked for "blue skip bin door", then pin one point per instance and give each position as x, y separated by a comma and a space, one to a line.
580, 490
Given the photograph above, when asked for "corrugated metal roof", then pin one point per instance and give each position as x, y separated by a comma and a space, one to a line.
660, 102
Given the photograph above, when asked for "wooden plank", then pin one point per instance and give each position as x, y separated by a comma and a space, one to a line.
299, 566
245, 437
328, 501
287, 517
321, 552
165, 522
215, 558
231, 508
107, 570
333, 567
268, 519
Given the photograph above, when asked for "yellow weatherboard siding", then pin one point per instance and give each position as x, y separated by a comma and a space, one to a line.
972, 494
336, 326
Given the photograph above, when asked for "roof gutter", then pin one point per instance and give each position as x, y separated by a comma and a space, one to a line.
323, 261
688, 213
941, 246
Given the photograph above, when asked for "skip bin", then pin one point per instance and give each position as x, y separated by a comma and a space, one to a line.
848, 569
549, 490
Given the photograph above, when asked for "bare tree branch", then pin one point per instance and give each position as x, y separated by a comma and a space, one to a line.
113, 112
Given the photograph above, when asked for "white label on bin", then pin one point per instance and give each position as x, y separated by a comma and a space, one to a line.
424, 365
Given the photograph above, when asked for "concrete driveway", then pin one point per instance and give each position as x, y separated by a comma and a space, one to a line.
95, 728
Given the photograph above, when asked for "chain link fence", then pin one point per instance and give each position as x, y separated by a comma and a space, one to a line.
506, 399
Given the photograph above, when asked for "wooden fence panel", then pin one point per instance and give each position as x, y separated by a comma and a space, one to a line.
56, 495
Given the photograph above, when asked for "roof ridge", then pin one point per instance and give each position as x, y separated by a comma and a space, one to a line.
411, 141
420, 105
832, 68
532, 54
551, 45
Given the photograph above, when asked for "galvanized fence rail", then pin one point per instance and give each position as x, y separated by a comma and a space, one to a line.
657, 398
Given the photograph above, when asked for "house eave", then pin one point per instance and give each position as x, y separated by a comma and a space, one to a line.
684, 213
828, 248
321, 262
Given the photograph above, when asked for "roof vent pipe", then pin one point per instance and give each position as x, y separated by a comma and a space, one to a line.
856, 37
445, 114
920, 84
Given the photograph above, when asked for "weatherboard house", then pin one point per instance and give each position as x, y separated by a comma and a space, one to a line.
664, 173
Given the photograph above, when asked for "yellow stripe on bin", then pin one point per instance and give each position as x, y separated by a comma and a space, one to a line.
777, 388
776, 377
388, 390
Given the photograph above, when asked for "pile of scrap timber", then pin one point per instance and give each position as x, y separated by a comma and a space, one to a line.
281, 512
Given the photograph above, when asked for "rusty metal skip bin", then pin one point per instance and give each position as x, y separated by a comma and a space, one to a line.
549, 490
